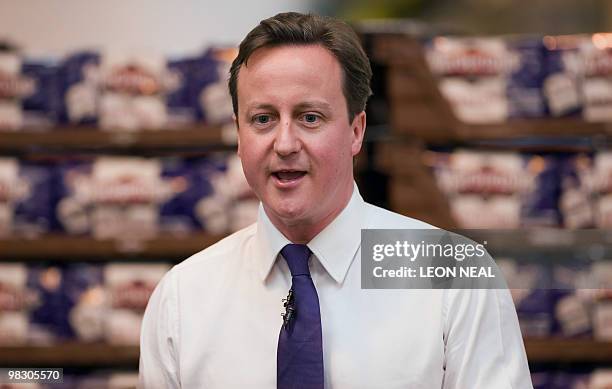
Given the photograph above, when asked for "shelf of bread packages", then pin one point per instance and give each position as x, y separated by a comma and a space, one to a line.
419, 108
100, 354
75, 248
79, 138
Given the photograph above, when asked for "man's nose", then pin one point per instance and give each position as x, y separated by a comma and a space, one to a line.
287, 139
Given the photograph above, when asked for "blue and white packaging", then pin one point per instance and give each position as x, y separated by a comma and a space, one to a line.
16, 299
477, 101
494, 212
70, 304
573, 300
573, 315
233, 204
133, 89
200, 91
489, 80
602, 308
211, 77
114, 197
524, 90
484, 184
80, 81
562, 82
470, 57
129, 287
181, 109
195, 74
13, 190
72, 212
596, 59
49, 318
43, 107
14, 87
214, 196
192, 179
575, 201
25, 198
84, 291
473, 76
601, 188
540, 206
602, 321
505, 190
119, 91
534, 303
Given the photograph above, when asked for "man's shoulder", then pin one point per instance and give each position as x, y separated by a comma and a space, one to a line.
380, 218
223, 251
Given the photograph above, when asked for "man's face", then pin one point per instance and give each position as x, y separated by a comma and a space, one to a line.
295, 140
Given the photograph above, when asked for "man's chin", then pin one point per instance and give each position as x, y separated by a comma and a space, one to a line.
289, 213
292, 215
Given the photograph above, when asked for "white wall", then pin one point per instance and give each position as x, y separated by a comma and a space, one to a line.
55, 27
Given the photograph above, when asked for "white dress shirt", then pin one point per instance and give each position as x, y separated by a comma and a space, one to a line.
214, 319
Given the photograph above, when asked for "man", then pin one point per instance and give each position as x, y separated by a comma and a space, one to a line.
299, 87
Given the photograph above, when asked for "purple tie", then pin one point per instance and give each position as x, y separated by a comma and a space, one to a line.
300, 348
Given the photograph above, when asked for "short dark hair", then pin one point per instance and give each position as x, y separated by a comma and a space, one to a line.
292, 28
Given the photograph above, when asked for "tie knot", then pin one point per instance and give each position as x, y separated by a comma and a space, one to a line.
297, 256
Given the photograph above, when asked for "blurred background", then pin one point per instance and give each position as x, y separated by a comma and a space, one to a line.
117, 161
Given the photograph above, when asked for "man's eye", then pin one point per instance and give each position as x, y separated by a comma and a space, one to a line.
310, 118
262, 119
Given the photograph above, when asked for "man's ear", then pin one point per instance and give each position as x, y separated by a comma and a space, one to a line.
357, 132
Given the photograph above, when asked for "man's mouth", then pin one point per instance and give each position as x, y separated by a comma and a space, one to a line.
289, 175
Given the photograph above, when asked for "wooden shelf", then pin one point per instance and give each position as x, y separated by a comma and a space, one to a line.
546, 245
418, 110
90, 138
548, 133
75, 248
541, 238
568, 350
70, 248
79, 354
70, 355
535, 127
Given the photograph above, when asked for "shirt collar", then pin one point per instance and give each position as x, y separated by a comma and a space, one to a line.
335, 246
